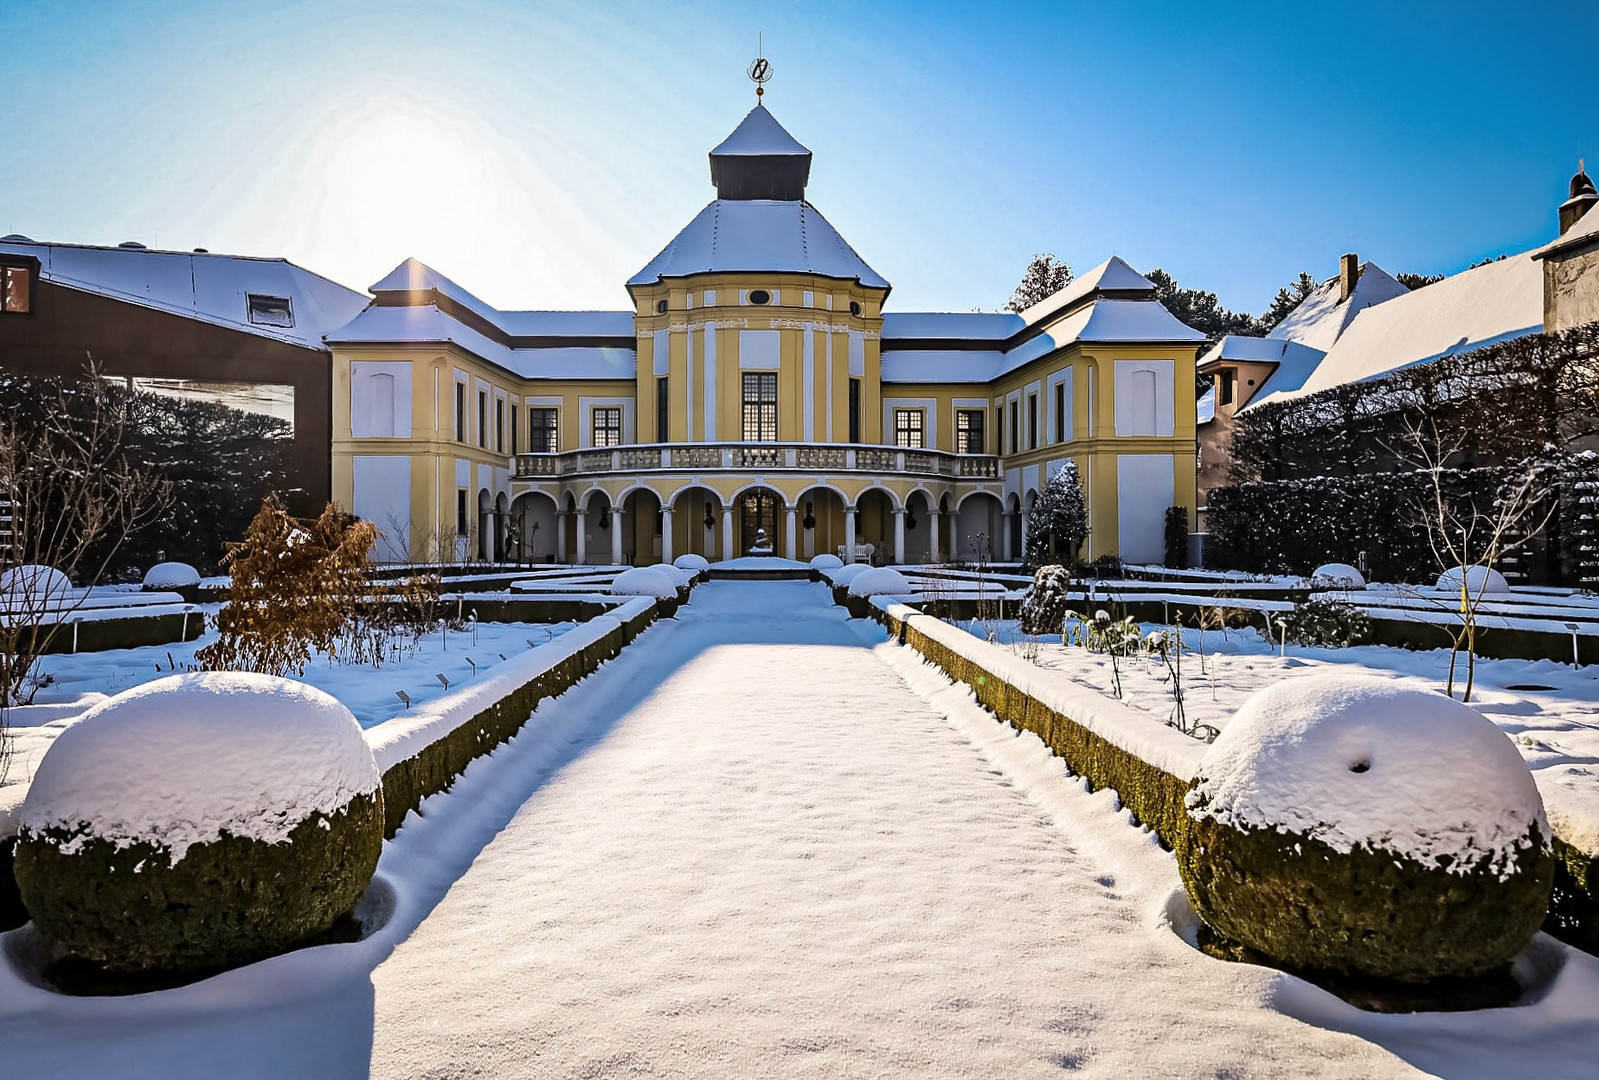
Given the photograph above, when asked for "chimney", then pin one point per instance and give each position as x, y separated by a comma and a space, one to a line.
1348, 276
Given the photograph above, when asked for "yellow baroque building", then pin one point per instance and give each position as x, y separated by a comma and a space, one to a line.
758, 395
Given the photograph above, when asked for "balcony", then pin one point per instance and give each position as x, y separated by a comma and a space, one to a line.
764, 457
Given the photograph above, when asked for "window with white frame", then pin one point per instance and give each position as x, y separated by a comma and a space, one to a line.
909, 428
608, 425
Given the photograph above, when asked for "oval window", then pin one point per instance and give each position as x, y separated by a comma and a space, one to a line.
855, 308
760, 296
660, 307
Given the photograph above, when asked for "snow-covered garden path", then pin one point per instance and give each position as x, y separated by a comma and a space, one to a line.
781, 860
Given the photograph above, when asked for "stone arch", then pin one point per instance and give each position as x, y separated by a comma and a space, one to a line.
887, 492
642, 534
531, 534
919, 526
758, 509
825, 506
979, 527
482, 548
874, 522
690, 535
585, 502
501, 526
732, 500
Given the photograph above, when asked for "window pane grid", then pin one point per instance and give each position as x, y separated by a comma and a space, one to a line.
969, 431
541, 431
908, 428
760, 406
608, 426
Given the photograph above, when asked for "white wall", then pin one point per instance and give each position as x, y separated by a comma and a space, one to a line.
1145, 487
1145, 403
383, 497
380, 400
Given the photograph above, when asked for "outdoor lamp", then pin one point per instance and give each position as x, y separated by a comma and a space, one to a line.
710, 518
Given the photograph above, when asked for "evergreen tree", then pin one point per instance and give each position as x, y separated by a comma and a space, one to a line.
1058, 524
1045, 276
1199, 309
1417, 281
1287, 298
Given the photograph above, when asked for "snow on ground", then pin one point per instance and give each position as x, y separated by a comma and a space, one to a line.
765, 842
1556, 730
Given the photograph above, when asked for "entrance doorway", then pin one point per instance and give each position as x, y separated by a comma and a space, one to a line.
759, 514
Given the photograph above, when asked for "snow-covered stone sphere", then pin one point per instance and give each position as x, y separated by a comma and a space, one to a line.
843, 576
171, 575
645, 581
826, 562
691, 562
200, 821
676, 573
1358, 825
880, 581
1480, 580
34, 582
1337, 575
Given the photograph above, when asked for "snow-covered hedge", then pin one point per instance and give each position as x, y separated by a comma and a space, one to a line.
1337, 575
880, 581
1358, 826
200, 821
645, 581
691, 562
826, 562
1480, 581
843, 576
171, 575
34, 583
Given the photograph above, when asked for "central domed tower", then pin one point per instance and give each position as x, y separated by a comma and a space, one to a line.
760, 161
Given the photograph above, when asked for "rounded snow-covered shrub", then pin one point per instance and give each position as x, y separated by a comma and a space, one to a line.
880, 581
200, 822
1337, 575
1480, 580
35, 582
692, 563
847, 574
1357, 826
826, 562
645, 581
676, 573
1044, 610
171, 575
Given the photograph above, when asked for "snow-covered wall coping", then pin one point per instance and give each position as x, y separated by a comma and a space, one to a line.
406, 735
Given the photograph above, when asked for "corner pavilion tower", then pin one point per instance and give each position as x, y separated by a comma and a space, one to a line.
757, 383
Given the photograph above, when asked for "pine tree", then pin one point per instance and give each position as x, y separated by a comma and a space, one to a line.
1058, 524
1045, 276
1288, 298
1199, 309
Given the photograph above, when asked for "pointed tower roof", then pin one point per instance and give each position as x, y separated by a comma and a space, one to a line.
760, 160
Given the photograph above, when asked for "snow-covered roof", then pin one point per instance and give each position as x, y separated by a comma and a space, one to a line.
759, 135
951, 325
1321, 319
1294, 362
759, 234
199, 285
428, 325
1112, 275
412, 276
1494, 302
1582, 231
1205, 407
942, 365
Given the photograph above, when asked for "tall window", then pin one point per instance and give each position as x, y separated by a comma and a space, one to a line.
515, 431
855, 410
1060, 412
483, 418
1015, 427
608, 425
460, 412
499, 425
908, 430
969, 431
16, 290
542, 437
460, 512
1032, 421
760, 406
663, 411
1229, 379
999, 429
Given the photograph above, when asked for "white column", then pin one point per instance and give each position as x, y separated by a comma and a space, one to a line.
616, 536
582, 536
666, 534
727, 533
932, 535
560, 536
849, 534
792, 549
899, 535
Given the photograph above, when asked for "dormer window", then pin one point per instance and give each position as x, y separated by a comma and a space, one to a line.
16, 290
270, 310
1225, 393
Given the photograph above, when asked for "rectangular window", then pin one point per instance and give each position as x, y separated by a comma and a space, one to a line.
460, 512
16, 290
1224, 395
483, 419
999, 429
908, 429
499, 425
969, 431
1060, 412
608, 425
460, 412
541, 434
1032, 421
1015, 427
663, 411
269, 310
514, 430
854, 410
760, 406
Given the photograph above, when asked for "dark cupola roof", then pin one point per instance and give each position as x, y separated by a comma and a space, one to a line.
760, 160
1581, 185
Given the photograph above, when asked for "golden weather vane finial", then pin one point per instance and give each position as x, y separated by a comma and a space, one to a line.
761, 70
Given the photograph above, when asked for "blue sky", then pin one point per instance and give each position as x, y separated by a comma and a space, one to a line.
541, 153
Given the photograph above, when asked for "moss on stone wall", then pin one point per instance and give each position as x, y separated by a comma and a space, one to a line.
226, 902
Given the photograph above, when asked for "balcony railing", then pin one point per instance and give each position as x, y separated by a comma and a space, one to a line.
757, 457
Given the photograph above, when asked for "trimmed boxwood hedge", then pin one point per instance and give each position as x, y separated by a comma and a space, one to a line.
226, 902
1365, 912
